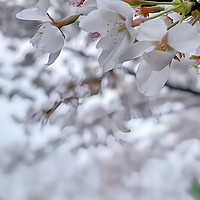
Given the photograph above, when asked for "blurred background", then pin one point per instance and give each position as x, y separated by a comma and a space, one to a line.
67, 132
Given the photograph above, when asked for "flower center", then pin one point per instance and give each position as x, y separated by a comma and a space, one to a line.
196, 64
162, 45
122, 28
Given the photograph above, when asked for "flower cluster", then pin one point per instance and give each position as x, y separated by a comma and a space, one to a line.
159, 35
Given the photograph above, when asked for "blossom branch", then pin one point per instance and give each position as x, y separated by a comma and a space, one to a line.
66, 21
168, 84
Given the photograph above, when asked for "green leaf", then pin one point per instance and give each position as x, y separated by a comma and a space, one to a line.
195, 189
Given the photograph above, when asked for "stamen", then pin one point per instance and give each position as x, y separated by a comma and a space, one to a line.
95, 35
79, 3
162, 45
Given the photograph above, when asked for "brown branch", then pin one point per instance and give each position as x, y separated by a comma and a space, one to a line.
168, 84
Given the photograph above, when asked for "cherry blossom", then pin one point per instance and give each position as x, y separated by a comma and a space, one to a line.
192, 61
112, 20
127, 30
48, 37
158, 47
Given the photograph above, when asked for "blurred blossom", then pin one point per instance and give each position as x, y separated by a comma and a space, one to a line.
73, 132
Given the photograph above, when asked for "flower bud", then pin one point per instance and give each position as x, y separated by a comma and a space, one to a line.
196, 12
186, 6
137, 22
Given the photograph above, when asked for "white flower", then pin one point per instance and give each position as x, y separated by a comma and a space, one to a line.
48, 37
112, 20
158, 47
187, 61
97, 110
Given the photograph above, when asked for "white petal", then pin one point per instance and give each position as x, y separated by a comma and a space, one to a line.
93, 23
111, 19
158, 59
120, 7
48, 38
134, 51
197, 52
38, 13
184, 38
152, 30
110, 58
104, 55
129, 27
43, 6
32, 14
184, 63
113, 23
36, 39
175, 16
150, 82
111, 40
52, 58
86, 10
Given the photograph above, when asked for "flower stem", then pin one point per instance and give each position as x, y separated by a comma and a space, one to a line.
195, 20
182, 2
175, 23
182, 16
157, 3
66, 21
165, 12
172, 25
